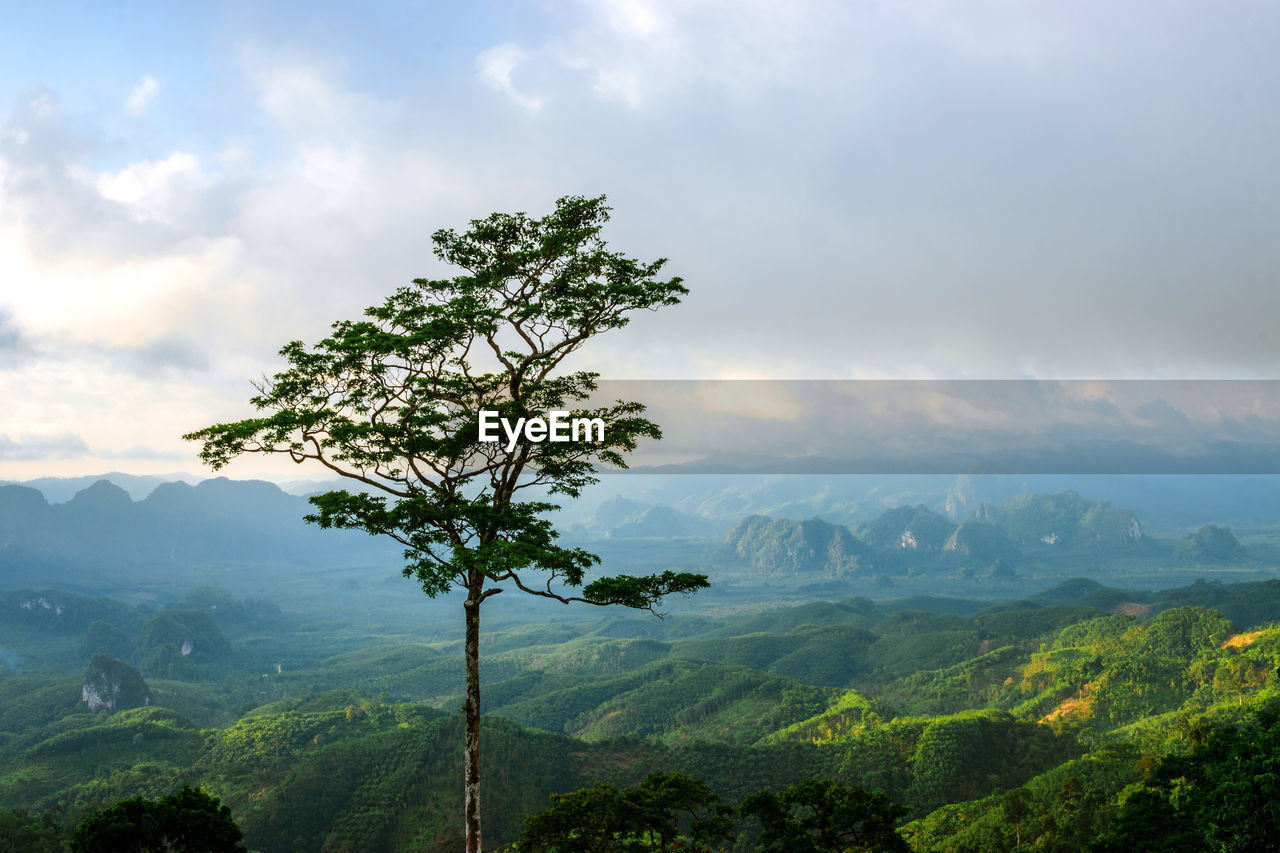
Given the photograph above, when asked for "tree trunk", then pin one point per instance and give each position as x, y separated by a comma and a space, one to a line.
471, 773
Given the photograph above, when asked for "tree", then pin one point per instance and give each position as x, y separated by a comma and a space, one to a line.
667, 811
1016, 806
393, 402
823, 816
1224, 795
22, 832
189, 821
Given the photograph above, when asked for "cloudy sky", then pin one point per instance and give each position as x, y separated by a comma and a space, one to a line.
851, 190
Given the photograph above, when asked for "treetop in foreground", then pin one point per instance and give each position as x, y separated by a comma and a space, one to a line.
189, 821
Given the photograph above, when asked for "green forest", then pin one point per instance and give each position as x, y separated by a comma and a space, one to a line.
1081, 716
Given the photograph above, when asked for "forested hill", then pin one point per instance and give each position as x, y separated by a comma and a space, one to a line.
947, 706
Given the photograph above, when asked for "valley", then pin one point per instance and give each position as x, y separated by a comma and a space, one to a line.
957, 667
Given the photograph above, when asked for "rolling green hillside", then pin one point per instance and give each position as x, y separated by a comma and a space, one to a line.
1029, 718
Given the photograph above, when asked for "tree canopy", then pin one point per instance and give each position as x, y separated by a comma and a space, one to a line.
189, 821
667, 811
824, 816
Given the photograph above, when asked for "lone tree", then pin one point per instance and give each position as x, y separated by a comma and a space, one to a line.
393, 402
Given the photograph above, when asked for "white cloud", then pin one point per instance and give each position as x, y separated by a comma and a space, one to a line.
300, 94
82, 411
155, 190
495, 67
29, 448
140, 98
849, 190
88, 299
43, 106
637, 52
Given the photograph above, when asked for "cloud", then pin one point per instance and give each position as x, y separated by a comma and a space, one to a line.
29, 448
45, 188
116, 264
850, 190
168, 353
140, 98
929, 426
949, 217
155, 190
495, 66
63, 446
13, 343
142, 453
85, 301
637, 52
152, 190
131, 277
1004, 31
1161, 414
143, 358
299, 93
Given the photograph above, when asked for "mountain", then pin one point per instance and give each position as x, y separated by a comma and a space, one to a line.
1164, 500
1106, 524
50, 612
810, 547
662, 522
102, 535
1211, 545
979, 543
616, 510
62, 489
113, 685
910, 528
177, 643
1065, 519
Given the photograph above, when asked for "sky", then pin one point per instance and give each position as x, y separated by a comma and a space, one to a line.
852, 190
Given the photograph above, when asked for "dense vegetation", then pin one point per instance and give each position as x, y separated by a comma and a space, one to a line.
778, 712
1076, 717
189, 821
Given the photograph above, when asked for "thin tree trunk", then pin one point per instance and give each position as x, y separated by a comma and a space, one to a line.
471, 774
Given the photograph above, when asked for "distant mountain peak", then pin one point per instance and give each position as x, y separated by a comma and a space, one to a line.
103, 493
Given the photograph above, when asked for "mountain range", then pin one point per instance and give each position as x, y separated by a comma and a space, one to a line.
176, 529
